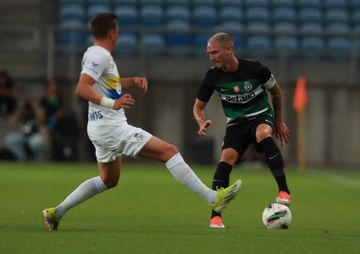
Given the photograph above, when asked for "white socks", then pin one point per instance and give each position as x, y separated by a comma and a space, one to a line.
183, 173
177, 167
86, 190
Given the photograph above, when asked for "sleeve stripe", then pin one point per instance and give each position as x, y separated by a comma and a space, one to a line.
270, 83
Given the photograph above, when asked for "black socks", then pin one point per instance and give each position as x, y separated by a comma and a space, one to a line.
221, 179
275, 162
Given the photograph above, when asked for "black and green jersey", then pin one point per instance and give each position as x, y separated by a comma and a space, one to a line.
242, 92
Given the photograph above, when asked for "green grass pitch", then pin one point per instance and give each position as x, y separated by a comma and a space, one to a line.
149, 212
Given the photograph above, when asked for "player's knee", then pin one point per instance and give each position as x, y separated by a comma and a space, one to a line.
261, 135
110, 183
229, 157
170, 151
263, 131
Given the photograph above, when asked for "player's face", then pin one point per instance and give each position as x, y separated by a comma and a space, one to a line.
114, 35
218, 53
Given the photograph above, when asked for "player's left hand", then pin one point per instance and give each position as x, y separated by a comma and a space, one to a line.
141, 83
282, 133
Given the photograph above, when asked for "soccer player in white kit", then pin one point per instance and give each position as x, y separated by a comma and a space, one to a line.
112, 136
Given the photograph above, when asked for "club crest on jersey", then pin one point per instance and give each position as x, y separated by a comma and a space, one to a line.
248, 86
236, 89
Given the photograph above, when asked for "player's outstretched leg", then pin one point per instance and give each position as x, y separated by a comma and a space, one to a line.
51, 221
225, 195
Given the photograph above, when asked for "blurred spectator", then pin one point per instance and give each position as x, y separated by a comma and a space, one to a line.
30, 141
7, 94
62, 125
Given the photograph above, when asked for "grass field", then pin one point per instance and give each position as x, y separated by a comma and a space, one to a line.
149, 212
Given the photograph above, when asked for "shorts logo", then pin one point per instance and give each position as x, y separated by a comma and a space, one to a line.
248, 86
139, 137
236, 89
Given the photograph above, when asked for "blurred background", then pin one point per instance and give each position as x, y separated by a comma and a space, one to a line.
42, 42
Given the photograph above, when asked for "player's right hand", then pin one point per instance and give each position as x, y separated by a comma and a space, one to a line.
125, 101
203, 127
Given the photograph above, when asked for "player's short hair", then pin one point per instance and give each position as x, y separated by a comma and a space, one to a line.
103, 23
223, 38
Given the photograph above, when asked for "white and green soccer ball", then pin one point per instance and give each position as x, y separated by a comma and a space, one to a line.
276, 216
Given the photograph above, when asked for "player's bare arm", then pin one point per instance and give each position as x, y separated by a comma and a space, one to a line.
139, 82
199, 115
84, 90
282, 132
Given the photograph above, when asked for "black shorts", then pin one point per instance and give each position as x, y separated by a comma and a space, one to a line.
239, 135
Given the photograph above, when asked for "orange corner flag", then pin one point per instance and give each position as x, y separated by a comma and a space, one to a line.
300, 96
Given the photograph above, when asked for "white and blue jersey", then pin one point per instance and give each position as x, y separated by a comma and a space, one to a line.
99, 64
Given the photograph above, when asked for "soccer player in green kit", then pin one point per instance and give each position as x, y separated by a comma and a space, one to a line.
242, 85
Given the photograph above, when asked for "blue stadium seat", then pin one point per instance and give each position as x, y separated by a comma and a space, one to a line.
335, 4
310, 15
151, 2
122, 3
211, 3
283, 3
204, 17
178, 13
258, 27
339, 48
284, 14
91, 2
179, 33
336, 15
151, 16
257, 14
230, 14
71, 32
338, 28
286, 44
185, 3
355, 17
231, 3
72, 11
89, 40
200, 40
127, 44
258, 46
309, 3
284, 27
231, 26
82, 2
256, 3
234, 28
311, 27
153, 44
312, 47
127, 16
96, 9
199, 44
354, 4
178, 40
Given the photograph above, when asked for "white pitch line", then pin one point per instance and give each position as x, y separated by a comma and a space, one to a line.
339, 178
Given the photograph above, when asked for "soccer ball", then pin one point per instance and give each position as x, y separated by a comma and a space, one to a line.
276, 216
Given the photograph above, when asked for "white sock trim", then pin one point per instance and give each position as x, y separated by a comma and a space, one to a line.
176, 159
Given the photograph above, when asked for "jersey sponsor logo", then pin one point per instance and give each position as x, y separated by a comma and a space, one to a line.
93, 116
94, 65
242, 98
248, 86
238, 98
